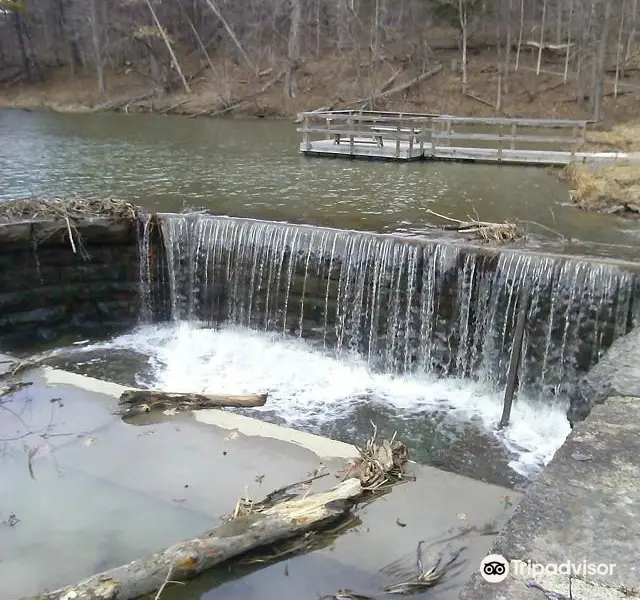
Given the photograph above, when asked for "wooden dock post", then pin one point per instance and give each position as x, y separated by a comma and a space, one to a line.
411, 133
351, 136
434, 125
305, 135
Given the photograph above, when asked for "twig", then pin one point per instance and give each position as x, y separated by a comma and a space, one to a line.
166, 582
73, 246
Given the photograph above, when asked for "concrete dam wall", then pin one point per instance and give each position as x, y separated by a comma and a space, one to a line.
48, 291
407, 305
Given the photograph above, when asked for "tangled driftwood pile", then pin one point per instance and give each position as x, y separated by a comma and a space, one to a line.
485, 231
379, 464
72, 208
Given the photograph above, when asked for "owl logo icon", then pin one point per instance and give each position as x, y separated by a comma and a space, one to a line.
494, 568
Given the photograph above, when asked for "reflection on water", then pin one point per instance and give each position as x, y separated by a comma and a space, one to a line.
253, 168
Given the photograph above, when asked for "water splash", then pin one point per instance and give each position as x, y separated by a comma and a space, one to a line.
407, 306
312, 390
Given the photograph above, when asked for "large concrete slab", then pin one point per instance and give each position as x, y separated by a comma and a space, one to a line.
91, 492
583, 508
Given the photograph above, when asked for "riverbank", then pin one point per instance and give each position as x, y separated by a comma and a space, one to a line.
346, 83
392, 84
611, 189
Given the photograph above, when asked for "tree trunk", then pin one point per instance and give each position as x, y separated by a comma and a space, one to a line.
136, 402
462, 14
96, 38
559, 24
213, 6
342, 17
293, 53
520, 34
167, 43
632, 33
568, 54
499, 62
619, 48
507, 50
542, 24
601, 59
185, 560
26, 61
318, 29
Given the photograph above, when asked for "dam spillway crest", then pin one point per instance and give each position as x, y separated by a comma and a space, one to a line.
340, 328
408, 306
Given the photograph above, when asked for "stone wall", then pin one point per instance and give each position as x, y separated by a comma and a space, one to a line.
48, 292
616, 373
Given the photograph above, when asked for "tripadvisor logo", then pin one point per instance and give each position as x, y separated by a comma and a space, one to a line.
496, 568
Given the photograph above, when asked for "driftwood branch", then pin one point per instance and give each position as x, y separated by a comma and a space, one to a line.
137, 402
185, 560
484, 230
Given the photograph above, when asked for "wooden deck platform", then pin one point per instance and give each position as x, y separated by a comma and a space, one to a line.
410, 137
363, 149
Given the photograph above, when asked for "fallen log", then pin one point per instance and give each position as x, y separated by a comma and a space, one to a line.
385, 93
187, 559
137, 402
120, 103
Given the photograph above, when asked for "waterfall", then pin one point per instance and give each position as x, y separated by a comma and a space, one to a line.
407, 305
144, 254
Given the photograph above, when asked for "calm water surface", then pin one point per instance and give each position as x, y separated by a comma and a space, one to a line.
252, 168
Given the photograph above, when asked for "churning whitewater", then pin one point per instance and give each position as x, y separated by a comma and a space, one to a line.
309, 388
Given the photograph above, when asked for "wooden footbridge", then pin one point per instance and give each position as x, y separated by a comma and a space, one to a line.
414, 136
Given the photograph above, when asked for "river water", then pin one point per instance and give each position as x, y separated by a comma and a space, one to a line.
252, 168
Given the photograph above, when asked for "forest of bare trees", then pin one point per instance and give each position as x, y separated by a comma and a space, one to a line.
174, 43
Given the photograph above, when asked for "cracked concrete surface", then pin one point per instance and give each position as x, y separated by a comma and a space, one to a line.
585, 506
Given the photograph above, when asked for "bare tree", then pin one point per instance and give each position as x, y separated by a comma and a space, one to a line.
97, 36
293, 57
464, 32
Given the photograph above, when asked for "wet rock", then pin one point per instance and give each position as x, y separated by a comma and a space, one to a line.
617, 373
47, 290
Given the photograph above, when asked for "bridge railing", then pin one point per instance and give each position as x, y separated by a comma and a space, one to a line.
366, 127
507, 134
431, 131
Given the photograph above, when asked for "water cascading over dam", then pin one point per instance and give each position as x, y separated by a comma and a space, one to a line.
407, 305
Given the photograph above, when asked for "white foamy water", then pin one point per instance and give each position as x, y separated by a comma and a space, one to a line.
307, 386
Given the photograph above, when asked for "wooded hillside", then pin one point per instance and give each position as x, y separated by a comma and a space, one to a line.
586, 48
